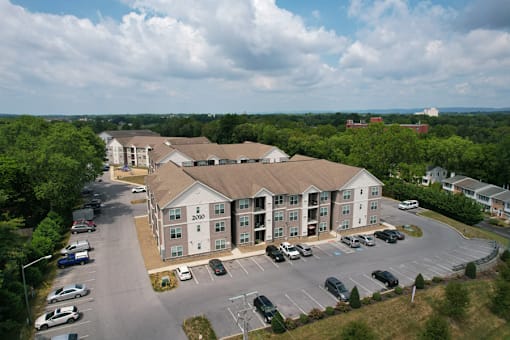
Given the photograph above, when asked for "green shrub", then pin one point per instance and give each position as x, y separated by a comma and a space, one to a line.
436, 328
437, 279
356, 330
500, 301
505, 256
303, 318
277, 323
342, 307
398, 290
330, 310
290, 323
471, 270
419, 282
366, 301
316, 314
377, 296
354, 301
456, 300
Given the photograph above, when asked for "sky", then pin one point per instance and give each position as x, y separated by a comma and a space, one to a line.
236, 56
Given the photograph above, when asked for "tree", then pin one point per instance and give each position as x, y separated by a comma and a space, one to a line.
471, 270
436, 328
456, 300
277, 323
354, 300
419, 282
357, 330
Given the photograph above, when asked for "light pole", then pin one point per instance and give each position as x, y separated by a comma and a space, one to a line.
47, 257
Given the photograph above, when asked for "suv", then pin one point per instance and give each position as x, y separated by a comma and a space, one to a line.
183, 273
289, 250
385, 277
386, 237
410, 204
304, 249
351, 241
367, 240
217, 267
274, 253
265, 307
75, 247
337, 288
398, 234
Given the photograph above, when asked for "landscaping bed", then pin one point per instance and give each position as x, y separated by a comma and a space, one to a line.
198, 328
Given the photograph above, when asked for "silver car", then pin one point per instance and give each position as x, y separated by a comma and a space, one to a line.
57, 317
304, 249
367, 240
67, 292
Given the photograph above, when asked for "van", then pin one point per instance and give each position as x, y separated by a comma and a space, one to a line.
75, 247
410, 204
351, 241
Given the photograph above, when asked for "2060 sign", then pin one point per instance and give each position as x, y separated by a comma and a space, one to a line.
197, 217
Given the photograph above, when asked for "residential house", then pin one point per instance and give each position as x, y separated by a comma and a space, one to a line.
434, 174
107, 136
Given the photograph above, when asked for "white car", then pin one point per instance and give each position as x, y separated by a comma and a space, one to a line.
57, 317
410, 204
289, 250
183, 273
139, 189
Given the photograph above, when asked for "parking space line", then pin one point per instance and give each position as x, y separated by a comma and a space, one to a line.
230, 274
67, 326
360, 285
311, 298
84, 336
261, 268
316, 256
290, 262
466, 254
194, 277
449, 262
427, 267
402, 274
377, 282
444, 267
260, 317
317, 247
89, 280
235, 320
241, 267
274, 263
457, 257
210, 275
475, 250
327, 292
78, 302
295, 304
303, 258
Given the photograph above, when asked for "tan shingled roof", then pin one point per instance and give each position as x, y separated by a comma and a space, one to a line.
245, 180
160, 151
168, 182
141, 141
188, 140
130, 133
298, 157
225, 151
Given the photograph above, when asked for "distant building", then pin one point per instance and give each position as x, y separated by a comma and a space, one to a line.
431, 112
419, 128
434, 174
107, 136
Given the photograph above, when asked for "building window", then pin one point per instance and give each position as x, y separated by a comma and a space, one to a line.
293, 216
293, 231
323, 226
375, 191
373, 205
324, 196
219, 209
293, 200
361, 191
243, 204
244, 238
346, 209
345, 224
373, 219
244, 221
278, 200
199, 245
324, 211
220, 244
176, 251
198, 210
347, 194
175, 233
175, 214
278, 232
198, 228
278, 216
219, 227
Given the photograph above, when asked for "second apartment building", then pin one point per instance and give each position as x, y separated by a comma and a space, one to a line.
200, 210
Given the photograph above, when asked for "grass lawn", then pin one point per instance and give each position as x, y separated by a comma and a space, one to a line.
467, 230
407, 319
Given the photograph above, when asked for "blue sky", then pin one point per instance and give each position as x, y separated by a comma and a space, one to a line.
131, 56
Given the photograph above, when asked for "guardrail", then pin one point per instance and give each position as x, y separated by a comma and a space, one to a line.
488, 258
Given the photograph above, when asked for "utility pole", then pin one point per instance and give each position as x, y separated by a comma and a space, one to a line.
242, 312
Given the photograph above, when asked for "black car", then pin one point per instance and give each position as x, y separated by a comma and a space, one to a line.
385, 277
399, 235
265, 307
217, 267
337, 288
387, 237
274, 253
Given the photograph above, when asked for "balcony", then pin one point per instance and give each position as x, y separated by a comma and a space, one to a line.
313, 199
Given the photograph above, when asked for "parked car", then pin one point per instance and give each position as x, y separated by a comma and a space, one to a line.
265, 307
289, 250
399, 235
217, 267
386, 237
75, 247
139, 189
406, 205
94, 204
351, 241
274, 253
106, 167
83, 228
183, 273
57, 317
367, 240
83, 221
68, 336
385, 277
67, 292
73, 259
337, 288
304, 249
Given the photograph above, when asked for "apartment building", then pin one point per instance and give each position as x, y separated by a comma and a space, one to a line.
200, 210
419, 128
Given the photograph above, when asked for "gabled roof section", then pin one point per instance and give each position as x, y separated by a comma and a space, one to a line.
454, 179
160, 151
187, 140
471, 184
490, 191
130, 133
361, 172
225, 151
141, 141
503, 196
168, 182
298, 158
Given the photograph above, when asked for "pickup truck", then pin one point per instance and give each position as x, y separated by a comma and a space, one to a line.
81, 257
289, 250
